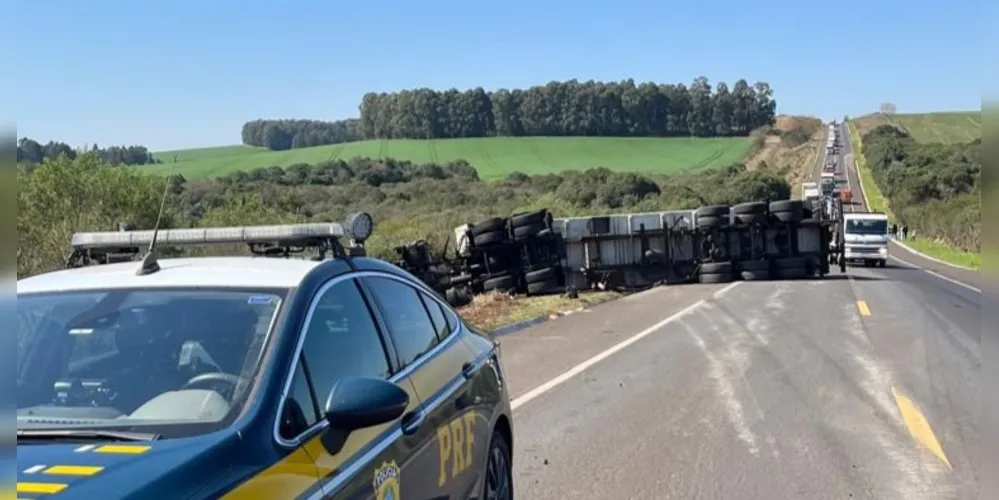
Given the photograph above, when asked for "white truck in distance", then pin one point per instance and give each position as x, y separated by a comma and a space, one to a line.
865, 238
810, 192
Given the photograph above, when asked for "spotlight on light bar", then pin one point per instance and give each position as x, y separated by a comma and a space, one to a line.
210, 236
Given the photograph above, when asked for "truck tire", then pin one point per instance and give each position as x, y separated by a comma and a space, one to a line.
715, 278
749, 219
527, 231
792, 273
882, 263
716, 268
790, 216
790, 263
754, 265
490, 238
756, 275
541, 275
787, 206
753, 207
712, 211
500, 284
708, 222
525, 218
488, 226
543, 287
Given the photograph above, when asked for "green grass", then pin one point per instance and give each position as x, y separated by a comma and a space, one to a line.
946, 253
878, 203
946, 127
492, 157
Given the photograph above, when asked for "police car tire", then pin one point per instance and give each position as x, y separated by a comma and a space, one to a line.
755, 275
490, 238
753, 207
790, 216
754, 265
541, 275
748, 219
543, 287
786, 205
488, 226
523, 219
715, 278
502, 284
497, 441
712, 211
527, 231
716, 268
712, 221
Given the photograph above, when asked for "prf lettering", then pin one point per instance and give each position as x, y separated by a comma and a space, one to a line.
456, 440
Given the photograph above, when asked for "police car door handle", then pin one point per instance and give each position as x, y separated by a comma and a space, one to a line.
468, 370
412, 422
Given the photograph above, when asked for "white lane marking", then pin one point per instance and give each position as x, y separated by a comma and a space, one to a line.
576, 370
936, 274
85, 448
34, 470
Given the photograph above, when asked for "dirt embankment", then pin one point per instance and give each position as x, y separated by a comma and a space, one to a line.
790, 148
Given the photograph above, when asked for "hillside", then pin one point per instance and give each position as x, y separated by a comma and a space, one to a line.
493, 157
943, 127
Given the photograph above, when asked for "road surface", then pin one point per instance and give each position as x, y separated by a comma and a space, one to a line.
864, 386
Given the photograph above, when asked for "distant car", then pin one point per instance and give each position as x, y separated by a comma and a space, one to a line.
339, 376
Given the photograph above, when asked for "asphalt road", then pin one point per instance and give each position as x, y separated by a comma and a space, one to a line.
862, 386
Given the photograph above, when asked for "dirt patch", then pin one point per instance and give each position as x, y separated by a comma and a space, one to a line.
490, 311
793, 163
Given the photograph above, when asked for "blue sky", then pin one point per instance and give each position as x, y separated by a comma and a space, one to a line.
181, 73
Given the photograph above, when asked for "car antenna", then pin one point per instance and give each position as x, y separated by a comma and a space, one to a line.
149, 263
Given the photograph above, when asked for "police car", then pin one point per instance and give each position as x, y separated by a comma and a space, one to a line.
330, 375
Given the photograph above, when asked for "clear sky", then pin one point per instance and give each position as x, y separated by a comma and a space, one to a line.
182, 73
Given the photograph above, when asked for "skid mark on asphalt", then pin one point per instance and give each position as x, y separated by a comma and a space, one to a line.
719, 370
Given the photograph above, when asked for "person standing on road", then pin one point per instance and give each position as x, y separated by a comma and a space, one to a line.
905, 231
894, 231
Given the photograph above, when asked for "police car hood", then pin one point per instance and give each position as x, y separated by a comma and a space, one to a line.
168, 468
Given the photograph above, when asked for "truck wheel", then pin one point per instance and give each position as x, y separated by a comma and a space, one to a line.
882, 263
716, 268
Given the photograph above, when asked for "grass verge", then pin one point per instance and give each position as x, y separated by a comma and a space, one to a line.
947, 127
493, 310
946, 253
877, 203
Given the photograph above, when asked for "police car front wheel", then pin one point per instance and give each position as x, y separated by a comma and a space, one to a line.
499, 476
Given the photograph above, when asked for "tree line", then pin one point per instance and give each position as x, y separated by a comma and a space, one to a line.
935, 189
373, 172
32, 152
569, 108
63, 195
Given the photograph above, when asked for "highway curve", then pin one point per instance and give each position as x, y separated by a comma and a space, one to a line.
865, 386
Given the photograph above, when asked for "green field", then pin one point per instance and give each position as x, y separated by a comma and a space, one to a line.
946, 127
493, 157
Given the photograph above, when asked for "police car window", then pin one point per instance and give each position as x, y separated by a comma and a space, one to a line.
436, 316
300, 409
412, 332
341, 340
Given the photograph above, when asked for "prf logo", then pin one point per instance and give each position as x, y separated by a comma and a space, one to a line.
386, 482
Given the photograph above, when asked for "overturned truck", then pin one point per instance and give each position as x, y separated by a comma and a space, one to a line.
534, 253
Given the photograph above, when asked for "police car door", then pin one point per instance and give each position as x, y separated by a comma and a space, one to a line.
343, 339
434, 357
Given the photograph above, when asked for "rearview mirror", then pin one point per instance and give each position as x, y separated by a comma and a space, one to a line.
356, 402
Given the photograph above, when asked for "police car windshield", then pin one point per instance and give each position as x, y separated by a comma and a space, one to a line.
138, 358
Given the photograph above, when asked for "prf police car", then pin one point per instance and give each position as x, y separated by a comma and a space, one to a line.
336, 376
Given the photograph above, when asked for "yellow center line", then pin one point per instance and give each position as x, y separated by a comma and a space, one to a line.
72, 470
863, 308
43, 488
918, 426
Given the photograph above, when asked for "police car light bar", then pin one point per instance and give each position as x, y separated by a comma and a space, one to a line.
209, 236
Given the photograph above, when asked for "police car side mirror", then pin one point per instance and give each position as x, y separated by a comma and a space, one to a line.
359, 402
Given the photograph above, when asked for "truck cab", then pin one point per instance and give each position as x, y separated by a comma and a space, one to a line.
828, 183
810, 192
865, 238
